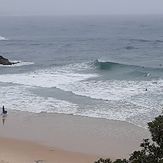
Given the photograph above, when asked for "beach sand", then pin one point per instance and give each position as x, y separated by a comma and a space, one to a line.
14, 151
25, 137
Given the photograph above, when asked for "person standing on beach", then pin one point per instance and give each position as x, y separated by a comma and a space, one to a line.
4, 112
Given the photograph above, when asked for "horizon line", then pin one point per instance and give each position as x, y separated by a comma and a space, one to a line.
51, 15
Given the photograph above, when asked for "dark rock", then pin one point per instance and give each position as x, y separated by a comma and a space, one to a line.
5, 61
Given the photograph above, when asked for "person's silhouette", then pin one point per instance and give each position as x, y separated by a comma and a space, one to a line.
3, 110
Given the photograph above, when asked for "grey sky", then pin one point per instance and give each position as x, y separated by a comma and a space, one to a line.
80, 7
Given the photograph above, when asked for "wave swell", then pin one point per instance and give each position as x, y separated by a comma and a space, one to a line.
123, 71
106, 65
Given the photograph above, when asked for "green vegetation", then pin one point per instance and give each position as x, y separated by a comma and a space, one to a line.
151, 151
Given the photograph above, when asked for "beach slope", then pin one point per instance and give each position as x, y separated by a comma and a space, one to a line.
65, 135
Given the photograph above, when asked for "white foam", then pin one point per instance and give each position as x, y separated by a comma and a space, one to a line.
125, 99
77, 67
137, 105
122, 111
20, 98
79, 84
3, 38
114, 113
112, 89
46, 78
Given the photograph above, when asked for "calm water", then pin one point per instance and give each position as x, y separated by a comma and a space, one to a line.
107, 67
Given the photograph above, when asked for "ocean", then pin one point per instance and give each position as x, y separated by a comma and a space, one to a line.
97, 66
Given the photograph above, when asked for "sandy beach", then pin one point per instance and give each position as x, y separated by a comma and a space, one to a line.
27, 137
14, 151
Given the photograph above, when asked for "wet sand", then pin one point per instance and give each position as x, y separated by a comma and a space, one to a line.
76, 137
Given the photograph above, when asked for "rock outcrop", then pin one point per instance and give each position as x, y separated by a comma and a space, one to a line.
5, 61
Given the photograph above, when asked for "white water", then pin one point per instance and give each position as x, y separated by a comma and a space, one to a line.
79, 84
125, 99
20, 98
3, 38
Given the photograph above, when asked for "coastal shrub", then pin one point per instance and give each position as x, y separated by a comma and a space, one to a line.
121, 161
151, 151
156, 129
101, 160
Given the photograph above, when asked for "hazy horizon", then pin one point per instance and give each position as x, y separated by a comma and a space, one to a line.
80, 7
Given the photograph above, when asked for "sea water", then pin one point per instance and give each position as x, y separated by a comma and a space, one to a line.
97, 66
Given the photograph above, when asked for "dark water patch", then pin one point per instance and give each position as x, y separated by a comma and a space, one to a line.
146, 41
159, 41
35, 44
130, 47
140, 40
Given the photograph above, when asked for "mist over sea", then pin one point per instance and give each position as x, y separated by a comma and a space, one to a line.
97, 66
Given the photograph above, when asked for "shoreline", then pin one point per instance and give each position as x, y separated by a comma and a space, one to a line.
75, 134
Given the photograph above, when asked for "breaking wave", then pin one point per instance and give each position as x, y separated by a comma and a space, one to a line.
84, 84
107, 65
110, 66
135, 100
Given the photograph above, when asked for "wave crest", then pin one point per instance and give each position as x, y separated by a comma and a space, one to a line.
106, 65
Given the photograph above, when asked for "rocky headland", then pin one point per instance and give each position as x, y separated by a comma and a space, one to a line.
5, 61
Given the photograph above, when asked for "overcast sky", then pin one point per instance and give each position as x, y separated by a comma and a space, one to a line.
80, 7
